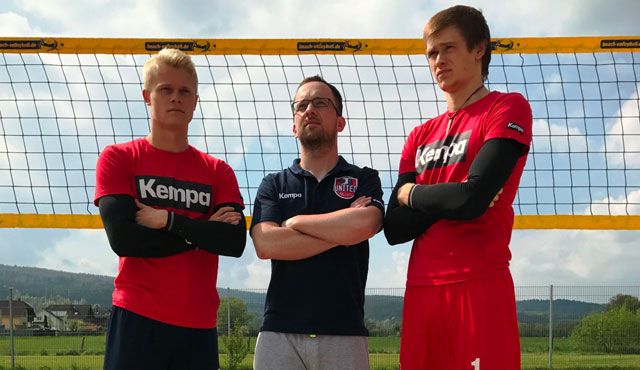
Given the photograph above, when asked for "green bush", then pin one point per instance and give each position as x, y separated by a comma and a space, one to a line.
236, 344
624, 300
613, 331
236, 309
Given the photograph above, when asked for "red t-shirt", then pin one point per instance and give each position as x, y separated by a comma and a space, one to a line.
442, 150
180, 289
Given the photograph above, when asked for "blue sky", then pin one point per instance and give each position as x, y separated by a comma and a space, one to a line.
539, 257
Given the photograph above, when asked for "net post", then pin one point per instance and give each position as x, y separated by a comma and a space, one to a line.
13, 349
228, 312
551, 326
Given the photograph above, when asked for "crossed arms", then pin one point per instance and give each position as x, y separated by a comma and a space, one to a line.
137, 230
305, 236
409, 215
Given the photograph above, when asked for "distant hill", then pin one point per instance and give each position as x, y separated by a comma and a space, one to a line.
39, 282
96, 289
383, 307
254, 299
536, 311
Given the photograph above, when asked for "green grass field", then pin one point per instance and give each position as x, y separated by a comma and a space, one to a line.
52, 346
67, 352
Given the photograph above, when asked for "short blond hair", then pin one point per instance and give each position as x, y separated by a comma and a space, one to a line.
171, 57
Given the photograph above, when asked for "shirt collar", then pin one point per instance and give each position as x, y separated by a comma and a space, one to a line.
340, 166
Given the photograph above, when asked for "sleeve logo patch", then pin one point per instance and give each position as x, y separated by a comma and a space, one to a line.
515, 127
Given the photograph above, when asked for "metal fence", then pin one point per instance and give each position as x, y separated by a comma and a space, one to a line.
570, 327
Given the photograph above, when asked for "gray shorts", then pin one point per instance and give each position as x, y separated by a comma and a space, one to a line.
285, 351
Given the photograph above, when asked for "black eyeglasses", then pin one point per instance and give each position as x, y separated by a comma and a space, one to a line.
301, 106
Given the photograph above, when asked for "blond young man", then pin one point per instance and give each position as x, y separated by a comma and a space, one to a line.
168, 210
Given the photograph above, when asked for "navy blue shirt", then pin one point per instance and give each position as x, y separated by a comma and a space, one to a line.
323, 294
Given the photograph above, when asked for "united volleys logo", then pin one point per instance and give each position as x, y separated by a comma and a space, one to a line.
345, 187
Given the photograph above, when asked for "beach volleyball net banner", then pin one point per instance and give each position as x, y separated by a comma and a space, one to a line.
63, 99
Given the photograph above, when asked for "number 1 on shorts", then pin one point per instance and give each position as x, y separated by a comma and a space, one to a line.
476, 363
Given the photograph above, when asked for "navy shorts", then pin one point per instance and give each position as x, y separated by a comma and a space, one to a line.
135, 342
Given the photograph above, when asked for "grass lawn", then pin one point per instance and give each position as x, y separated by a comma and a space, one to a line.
76, 353
51, 346
576, 361
84, 362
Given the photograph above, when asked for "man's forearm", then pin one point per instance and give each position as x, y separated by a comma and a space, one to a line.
342, 227
282, 243
488, 173
402, 224
215, 237
129, 239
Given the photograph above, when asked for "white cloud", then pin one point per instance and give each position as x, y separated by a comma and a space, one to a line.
290, 18
102, 18
390, 272
247, 272
388, 265
557, 18
573, 257
59, 9
622, 205
259, 274
400, 264
14, 25
623, 136
355, 18
84, 251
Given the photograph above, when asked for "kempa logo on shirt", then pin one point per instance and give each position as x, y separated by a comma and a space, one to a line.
441, 153
289, 195
516, 127
171, 193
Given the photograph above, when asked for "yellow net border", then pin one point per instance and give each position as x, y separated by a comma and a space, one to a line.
523, 222
524, 45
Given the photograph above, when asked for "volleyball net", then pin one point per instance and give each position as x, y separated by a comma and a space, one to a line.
63, 100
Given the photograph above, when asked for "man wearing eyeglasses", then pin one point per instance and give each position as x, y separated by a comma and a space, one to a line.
313, 220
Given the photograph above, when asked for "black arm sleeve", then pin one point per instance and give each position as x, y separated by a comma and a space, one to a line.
468, 200
213, 236
129, 239
402, 223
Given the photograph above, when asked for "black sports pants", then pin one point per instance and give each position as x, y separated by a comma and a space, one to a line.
135, 342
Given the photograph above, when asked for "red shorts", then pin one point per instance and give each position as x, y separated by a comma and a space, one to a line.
470, 325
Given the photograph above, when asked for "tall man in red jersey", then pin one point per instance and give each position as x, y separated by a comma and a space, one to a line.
459, 310
168, 210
